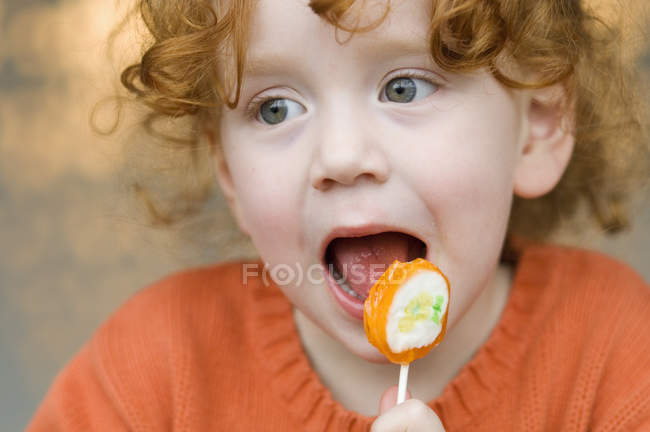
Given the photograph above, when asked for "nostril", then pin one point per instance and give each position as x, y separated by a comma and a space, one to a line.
327, 183
323, 184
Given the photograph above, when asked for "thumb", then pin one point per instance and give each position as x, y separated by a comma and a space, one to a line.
389, 399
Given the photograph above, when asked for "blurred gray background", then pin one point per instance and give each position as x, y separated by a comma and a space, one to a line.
74, 246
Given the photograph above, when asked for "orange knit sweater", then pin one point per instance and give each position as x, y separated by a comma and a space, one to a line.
571, 352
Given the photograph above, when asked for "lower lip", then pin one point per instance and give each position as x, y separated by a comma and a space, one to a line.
351, 305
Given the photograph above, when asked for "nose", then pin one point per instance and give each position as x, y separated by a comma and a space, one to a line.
348, 149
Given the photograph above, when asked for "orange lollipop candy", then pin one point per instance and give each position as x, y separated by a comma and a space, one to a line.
405, 314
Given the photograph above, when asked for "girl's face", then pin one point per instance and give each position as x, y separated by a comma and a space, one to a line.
343, 140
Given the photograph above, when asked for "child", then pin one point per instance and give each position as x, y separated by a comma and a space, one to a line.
349, 134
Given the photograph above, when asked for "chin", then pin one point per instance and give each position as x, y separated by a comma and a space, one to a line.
367, 352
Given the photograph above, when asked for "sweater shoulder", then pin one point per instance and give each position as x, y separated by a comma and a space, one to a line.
174, 300
600, 294
593, 338
166, 336
161, 348
596, 275
181, 296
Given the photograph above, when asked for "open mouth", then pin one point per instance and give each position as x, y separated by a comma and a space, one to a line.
355, 263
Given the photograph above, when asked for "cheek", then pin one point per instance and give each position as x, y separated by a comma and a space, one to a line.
267, 198
469, 160
465, 174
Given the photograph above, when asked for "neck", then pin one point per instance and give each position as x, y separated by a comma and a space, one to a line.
358, 384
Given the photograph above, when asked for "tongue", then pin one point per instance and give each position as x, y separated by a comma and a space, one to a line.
362, 260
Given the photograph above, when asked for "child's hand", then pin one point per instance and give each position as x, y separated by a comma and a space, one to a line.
413, 415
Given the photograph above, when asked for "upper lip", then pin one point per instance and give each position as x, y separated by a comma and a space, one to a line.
364, 230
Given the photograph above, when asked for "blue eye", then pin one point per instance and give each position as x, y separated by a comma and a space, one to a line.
405, 89
275, 111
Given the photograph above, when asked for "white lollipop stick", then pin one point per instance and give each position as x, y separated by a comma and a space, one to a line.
403, 378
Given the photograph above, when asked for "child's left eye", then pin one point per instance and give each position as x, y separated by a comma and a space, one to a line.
407, 89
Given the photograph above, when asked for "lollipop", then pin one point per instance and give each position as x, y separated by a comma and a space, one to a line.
405, 314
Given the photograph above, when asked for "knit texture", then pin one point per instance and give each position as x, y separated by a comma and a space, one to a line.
201, 351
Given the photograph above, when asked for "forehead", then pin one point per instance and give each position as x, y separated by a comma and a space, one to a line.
281, 30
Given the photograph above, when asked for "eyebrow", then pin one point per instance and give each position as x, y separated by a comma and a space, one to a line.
269, 63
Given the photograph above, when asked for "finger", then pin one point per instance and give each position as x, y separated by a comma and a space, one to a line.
389, 399
413, 416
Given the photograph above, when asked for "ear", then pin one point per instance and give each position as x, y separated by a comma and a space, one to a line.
548, 142
224, 179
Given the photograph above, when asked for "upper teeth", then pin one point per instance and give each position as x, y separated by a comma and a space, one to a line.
344, 285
